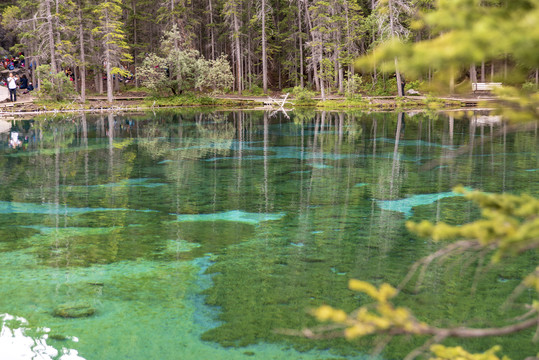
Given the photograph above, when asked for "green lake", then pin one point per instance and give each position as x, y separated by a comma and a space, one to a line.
197, 234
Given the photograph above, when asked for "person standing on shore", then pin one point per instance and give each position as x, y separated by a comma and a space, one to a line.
12, 86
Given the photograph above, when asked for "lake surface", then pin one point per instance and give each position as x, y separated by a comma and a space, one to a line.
194, 235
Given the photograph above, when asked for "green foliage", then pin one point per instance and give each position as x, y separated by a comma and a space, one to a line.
381, 87
219, 76
55, 87
464, 32
509, 226
10, 16
180, 70
529, 87
255, 90
303, 96
353, 87
152, 72
110, 29
447, 353
415, 85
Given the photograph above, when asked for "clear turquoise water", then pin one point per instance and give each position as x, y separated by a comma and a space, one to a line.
194, 235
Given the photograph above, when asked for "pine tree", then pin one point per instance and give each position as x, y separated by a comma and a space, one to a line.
110, 31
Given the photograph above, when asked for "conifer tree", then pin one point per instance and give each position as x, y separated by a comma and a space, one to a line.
110, 31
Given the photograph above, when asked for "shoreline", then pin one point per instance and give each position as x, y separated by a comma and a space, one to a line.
28, 106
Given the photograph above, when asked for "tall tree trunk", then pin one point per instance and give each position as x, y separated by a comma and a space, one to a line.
109, 75
31, 60
34, 71
82, 58
393, 34
482, 71
375, 75
250, 67
400, 91
451, 80
473, 75
135, 41
301, 70
212, 35
264, 50
317, 80
238, 50
505, 67
50, 34
322, 85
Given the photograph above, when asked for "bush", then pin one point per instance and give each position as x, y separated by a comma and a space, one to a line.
256, 90
56, 87
180, 70
381, 87
415, 85
219, 75
302, 95
529, 87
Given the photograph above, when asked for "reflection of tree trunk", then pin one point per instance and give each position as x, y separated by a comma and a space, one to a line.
504, 154
451, 129
110, 135
374, 132
396, 163
341, 128
57, 183
84, 135
471, 146
266, 139
239, 125
492, 146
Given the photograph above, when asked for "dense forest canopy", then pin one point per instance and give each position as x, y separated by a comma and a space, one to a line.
269, 44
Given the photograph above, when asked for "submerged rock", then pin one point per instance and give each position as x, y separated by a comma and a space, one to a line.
74, 310
58, 337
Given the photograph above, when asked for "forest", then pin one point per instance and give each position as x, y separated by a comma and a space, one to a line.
250, 46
